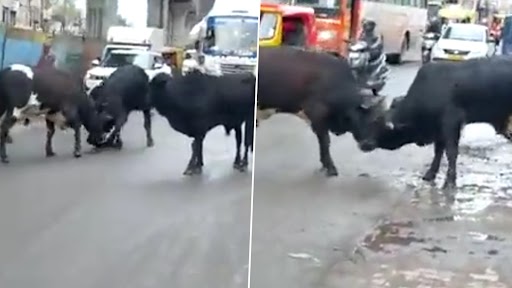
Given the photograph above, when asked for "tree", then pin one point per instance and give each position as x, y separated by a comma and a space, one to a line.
120, 21
64, 12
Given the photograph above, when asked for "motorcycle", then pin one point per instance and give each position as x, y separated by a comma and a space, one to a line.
368, 64
429, 40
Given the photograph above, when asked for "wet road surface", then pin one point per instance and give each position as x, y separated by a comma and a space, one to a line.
377, 224
123, 218
444, 240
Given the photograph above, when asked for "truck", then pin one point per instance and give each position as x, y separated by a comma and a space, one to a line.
121, 37
129, 45
226, 39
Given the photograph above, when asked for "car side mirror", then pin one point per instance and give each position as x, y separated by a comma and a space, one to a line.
95, 62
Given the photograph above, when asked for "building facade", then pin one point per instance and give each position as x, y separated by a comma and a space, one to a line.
101, 14
177, 17
22, 13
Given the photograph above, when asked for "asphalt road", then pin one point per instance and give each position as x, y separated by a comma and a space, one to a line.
377, 225
123, 218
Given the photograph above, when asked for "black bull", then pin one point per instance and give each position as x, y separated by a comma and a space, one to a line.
321, 89
442, 99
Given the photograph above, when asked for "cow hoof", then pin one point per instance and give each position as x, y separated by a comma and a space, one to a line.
50, 154
8, 140
5, 160
237, 165
77, 154
150, 143
118, 145
331, 172
429, 177
449, 186
240, 167
189, 171
193, 171
198, 170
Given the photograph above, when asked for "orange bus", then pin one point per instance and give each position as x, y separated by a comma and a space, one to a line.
400, 22
338, 23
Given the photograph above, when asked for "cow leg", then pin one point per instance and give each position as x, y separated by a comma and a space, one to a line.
77, 149
7, 123
245, 159
190, 167
196, 160
200, 163
325, 155
147, 125
452, 136
431, 173
238, 136
69, 117
115, 137
9, 139
50, 131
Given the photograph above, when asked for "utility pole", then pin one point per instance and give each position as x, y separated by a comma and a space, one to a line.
41, 14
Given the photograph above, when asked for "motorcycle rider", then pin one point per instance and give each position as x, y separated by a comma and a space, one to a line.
373, 40
374, 72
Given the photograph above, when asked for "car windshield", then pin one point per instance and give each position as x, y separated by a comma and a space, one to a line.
466, 33
115, 60
268, 22
232, 36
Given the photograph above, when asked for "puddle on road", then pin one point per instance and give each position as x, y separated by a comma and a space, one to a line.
435, 278
483, 199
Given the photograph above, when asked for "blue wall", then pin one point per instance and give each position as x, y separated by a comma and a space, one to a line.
21, 46
21, 52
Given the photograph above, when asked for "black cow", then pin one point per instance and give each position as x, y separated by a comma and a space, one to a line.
442, 99
195, 103
320, 89
27, 93
124, 91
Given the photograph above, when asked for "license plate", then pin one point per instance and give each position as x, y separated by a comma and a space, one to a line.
455, 57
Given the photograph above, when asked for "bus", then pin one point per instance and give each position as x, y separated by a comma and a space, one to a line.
400, 22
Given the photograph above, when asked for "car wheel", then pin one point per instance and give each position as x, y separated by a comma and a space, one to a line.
396, 58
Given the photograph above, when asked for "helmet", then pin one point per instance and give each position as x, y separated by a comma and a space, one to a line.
369, 25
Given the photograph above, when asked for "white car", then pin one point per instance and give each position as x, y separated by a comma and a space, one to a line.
152, 62
463, 41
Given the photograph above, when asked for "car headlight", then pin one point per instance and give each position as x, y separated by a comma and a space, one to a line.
326, 35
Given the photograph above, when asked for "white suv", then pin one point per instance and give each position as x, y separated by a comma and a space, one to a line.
152, 62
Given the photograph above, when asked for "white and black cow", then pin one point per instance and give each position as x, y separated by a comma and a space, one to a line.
27, 93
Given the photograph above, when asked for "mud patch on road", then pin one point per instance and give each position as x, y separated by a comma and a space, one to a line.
391, 234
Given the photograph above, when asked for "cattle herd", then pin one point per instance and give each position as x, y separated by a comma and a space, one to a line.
317, 87
443, 98
192, 105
